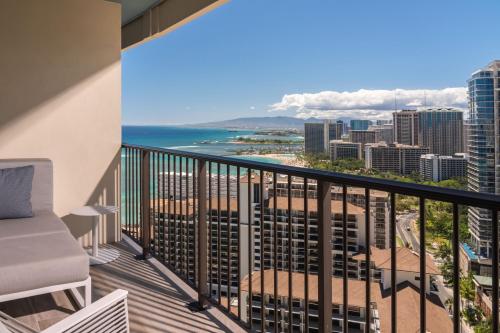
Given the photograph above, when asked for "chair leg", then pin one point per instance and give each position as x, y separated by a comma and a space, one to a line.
83, 293
88, 292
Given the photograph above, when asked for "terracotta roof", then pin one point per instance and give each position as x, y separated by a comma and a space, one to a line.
356, 289
233, 203
254, 177
337, 189
298, 204
408, 298
408, 311
234, 304
406, 260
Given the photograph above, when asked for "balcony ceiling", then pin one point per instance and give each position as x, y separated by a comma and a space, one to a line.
133, 8
143, 20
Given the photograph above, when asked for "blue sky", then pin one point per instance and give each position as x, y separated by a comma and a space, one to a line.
303, 58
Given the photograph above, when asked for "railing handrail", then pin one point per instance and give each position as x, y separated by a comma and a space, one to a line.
476, 199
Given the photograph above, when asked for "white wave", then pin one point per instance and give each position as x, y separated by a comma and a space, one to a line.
180, 147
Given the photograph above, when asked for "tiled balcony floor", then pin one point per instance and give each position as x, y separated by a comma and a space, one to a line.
157, 299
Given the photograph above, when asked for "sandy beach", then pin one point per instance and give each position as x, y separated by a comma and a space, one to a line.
286, 159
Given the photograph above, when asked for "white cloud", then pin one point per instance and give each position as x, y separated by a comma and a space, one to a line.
365, 103
252, 108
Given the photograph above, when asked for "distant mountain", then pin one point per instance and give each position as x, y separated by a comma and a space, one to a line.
279, 122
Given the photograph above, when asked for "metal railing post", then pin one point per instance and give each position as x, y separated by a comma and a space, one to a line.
202, 233
325, 256
145, 205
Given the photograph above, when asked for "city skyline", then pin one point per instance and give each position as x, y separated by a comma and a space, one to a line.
224, 69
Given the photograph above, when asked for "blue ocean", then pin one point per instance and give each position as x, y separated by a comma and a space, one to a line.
202, 140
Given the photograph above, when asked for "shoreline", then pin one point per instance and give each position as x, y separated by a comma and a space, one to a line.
285, 159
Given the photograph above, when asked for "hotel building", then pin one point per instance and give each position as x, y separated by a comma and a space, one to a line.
379, 203
405, 125
383, 133
407, 294
317, 136
396, 158
340, 150
437, 168
363, 137
484, 150
441, 130
264, 240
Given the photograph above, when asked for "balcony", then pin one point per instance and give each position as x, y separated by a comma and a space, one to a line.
157, 298
183, 267
143, 170
184, 286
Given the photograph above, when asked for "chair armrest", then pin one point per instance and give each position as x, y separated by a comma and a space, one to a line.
109, 313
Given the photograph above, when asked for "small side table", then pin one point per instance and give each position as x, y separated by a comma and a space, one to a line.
103, 255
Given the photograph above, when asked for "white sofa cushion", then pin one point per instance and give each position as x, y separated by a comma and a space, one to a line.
42, 223
41, 260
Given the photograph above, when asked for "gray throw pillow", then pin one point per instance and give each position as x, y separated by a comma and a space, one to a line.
15, 192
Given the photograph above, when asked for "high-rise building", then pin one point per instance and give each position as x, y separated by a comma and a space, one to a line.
363, 137
317, 136
276, 301
176, 214
396, 158
466, 136
437, 168
268, 300
405, 125
441, 130
264, 240
379, 203
484, 159
340, 150
359, 124
383, 133
383, 122
335, 130
314, 138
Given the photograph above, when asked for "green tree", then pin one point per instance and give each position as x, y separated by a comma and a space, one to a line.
471, 315
444, 251
447, 271
467, 288
484, 326
449, 304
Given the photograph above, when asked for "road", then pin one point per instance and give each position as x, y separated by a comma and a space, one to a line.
404, 230
406, 233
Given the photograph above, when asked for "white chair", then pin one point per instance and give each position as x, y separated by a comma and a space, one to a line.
109, 314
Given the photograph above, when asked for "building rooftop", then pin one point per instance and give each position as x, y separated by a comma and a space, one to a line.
462, 156
392, 145
406, 260
441, 109
190, 204
408, 311
356, 289
298, 204
485, 281
408, 298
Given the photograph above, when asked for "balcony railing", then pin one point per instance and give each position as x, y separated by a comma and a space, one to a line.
172, 199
